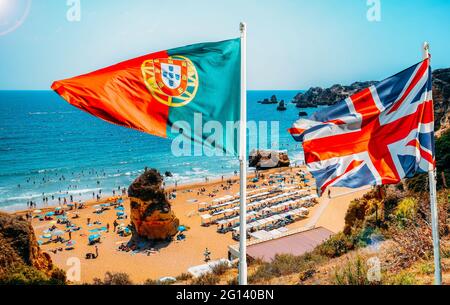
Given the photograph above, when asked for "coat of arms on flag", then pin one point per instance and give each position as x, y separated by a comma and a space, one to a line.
377, 136
172, 81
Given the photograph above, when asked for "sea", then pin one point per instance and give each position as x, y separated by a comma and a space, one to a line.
51, 149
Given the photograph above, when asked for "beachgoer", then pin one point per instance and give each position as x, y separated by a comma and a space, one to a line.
115, 224
207, 254
107, 227
329, 193
89, 221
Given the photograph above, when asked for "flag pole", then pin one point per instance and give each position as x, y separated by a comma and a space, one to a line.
434, 208
243, 161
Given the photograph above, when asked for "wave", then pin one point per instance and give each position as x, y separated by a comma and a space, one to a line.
51, 112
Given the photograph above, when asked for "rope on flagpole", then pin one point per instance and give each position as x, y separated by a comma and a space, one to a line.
434, 207
243, 161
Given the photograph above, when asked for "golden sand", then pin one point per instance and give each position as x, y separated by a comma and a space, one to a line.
174, 258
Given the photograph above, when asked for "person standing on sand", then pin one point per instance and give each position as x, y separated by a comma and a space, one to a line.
329, 193
96, 251
107, 227
70, 235
88, 221
115, 224
207, 254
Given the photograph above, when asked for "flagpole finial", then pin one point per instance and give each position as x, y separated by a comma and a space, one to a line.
242, 26
426, 49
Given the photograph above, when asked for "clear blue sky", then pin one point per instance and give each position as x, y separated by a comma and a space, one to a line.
292, 44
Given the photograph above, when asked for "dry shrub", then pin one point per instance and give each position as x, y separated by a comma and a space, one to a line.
220, 268
206, 279
413, 235
184, 277
114, 278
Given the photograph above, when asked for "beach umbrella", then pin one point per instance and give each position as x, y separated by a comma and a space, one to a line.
70, 243
97, 206
120, 213
37, 211
47, 236
121, 208
104, 205
49, 214
57, 233
93, 237
181, 228
57, 208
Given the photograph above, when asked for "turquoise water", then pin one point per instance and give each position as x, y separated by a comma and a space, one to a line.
49, 148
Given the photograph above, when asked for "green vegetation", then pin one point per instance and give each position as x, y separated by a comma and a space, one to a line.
400, 278
419, 183
353, 273
26, 275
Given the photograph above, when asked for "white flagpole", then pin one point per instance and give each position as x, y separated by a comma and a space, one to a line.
434, 209
243, 161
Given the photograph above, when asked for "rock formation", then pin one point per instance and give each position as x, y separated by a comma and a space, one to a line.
264, 159
281, 106
151, 214
318, 96
273, 100
18, 245
441, 95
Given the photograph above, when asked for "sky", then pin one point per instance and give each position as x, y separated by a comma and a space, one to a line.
292, 44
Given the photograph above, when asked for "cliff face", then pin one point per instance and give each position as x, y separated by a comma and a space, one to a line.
18, 245
441, 94
151, 214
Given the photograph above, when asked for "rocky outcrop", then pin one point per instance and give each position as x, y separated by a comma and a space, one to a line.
151, 214
441, 94
318, 96
281, 106
18, 245
264, 159
273, 100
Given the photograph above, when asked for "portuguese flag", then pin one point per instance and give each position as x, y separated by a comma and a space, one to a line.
166, 93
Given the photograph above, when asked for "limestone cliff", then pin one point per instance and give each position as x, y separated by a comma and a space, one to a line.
18, 245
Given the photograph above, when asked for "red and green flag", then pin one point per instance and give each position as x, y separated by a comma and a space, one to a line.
155, 92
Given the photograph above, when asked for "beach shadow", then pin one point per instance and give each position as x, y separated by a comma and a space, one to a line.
139, 245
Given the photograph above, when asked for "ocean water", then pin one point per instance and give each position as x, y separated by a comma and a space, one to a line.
49, 148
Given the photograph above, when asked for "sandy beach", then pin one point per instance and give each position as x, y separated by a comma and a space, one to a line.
172, 259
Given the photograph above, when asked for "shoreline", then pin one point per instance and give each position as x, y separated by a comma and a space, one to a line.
169, 188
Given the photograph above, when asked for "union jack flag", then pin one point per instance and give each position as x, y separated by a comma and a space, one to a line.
377, 136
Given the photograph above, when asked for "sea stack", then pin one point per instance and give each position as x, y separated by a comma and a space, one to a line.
265, 159
151, 215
